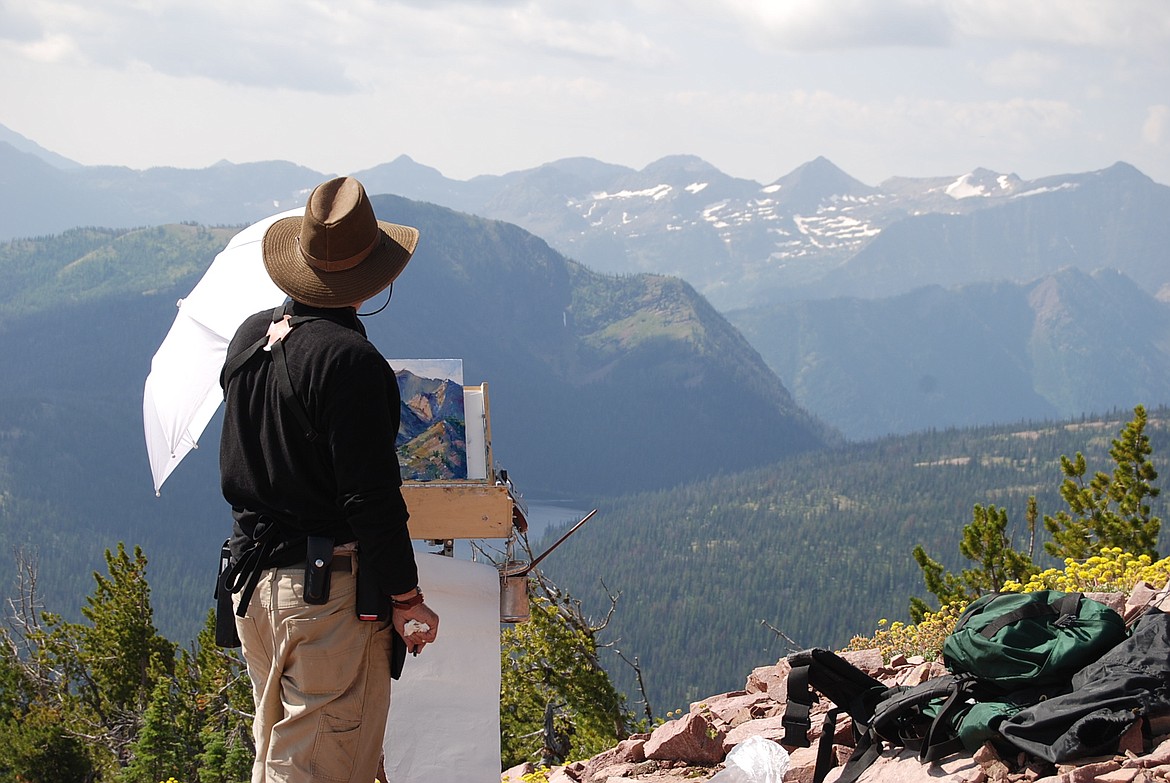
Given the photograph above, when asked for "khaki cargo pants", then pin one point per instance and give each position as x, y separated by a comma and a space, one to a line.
320, 680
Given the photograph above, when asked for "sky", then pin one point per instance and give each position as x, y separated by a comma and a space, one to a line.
881, 88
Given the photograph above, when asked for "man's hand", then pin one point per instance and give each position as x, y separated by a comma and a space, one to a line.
417, 626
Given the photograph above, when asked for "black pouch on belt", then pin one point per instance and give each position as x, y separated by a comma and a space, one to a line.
318, 568
225, 616
372, 604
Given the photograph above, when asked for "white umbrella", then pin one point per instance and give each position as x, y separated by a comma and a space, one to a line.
182, 390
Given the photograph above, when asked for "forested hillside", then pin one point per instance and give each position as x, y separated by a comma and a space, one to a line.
818, 546
1055, 347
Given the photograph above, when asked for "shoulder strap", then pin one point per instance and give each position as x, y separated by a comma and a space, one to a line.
903, 720
940, 741
850, 689
272, 343
841, 682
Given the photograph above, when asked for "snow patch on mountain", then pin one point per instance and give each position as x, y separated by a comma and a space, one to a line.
963, 187
1049, 189
982, 183
658, 192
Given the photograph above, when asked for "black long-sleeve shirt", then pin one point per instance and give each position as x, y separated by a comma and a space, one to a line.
346, 483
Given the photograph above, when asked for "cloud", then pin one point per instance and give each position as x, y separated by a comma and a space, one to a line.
1157, 125
858, 24
308, 45
912, 136
251, 43
604, 39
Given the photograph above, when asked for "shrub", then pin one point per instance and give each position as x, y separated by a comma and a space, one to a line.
1111, 571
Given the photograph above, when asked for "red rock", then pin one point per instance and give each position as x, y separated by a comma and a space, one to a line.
610, 772
1159, 756
769, 728
801, 765
771, 680
629, 751
513, 774
869, 661
1132, 742
1115, 601
692, 738
731, 709
1088, 773
562, 775
1144, 596
904, 767
919, 673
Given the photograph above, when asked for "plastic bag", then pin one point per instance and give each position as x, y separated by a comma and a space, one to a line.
755, 760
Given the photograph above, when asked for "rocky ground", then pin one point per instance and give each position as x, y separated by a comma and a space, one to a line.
694, 746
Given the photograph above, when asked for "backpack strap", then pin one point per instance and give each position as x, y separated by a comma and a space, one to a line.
272, 343
902, 720
865, 753
243, 575
842, 683
1064, 607
826, 759
940, 741
850, 689
798, 706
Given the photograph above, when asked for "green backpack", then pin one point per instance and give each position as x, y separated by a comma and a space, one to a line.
1014, 641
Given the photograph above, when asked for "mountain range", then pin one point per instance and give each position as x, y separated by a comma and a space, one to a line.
813, 233
883, 309
1063, 345
868, 302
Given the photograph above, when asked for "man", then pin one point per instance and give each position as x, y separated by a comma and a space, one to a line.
308, 464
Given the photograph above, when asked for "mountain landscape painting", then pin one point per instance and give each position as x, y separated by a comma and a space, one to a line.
432, 432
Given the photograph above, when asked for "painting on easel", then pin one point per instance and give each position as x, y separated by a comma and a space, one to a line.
432, 435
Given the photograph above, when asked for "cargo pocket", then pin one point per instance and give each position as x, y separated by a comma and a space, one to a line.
336, 748
322, 671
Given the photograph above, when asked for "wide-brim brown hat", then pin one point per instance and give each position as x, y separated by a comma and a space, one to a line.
338, 253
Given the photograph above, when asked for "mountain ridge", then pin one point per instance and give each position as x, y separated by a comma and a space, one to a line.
1062, 345
813, 235
737, 241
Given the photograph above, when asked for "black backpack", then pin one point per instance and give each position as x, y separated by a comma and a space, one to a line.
849, 688
1126, 684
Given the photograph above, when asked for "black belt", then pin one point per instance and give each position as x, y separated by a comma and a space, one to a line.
340, 563
243, 575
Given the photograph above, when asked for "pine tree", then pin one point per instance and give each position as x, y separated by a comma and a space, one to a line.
37, 749
104, 667
165, 744
220, 688
1109, 511
986, 543
556, 701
